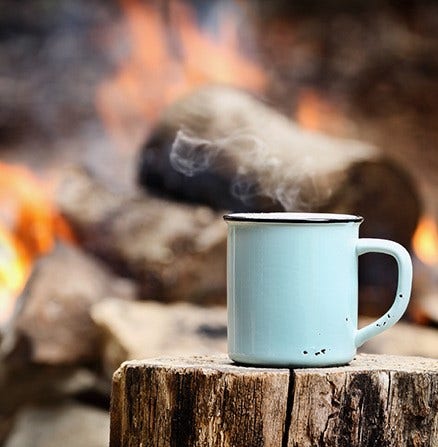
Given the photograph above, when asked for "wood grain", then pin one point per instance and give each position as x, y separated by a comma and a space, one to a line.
380, 401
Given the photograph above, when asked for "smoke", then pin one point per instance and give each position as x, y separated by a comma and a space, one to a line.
255, 170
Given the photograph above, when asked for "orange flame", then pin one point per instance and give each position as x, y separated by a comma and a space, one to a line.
30, 228
169, 58
425, 241
14, 270
317, 113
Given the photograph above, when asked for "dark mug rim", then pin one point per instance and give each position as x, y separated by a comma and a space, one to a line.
286, 217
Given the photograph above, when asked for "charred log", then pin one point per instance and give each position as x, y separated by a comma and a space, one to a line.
235, 153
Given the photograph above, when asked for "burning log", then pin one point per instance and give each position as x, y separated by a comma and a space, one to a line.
175, 251
29, 227
223, 148
198, 401
237, 154
47, 337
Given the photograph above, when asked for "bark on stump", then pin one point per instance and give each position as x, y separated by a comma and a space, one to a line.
208, 401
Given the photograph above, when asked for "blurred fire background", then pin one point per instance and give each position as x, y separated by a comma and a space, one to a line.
84, 82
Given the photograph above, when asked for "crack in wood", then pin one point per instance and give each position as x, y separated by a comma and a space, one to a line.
289, 408
389, 399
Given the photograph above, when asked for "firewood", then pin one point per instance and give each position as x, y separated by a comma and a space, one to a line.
174, 251
208, 401
221, 147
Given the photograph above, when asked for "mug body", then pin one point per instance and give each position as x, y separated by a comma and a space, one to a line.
292, 288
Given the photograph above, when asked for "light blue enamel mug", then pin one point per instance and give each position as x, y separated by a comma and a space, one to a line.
292, 288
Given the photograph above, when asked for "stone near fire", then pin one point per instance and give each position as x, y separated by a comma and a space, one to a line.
174, 251
137, 330
67, 424
52, 323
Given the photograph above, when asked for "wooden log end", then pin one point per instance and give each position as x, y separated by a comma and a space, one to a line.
210, 401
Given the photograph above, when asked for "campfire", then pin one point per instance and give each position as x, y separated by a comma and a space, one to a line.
29, 228
137, 125
167, 59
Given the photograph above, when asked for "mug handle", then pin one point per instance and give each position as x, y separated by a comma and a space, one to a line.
404, 285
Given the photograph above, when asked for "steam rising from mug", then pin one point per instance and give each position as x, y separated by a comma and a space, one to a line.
277, 159
259, 172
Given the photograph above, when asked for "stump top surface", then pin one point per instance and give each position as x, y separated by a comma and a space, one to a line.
221, 363
198, 401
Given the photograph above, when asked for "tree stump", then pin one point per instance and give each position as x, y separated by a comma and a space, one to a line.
377, 400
